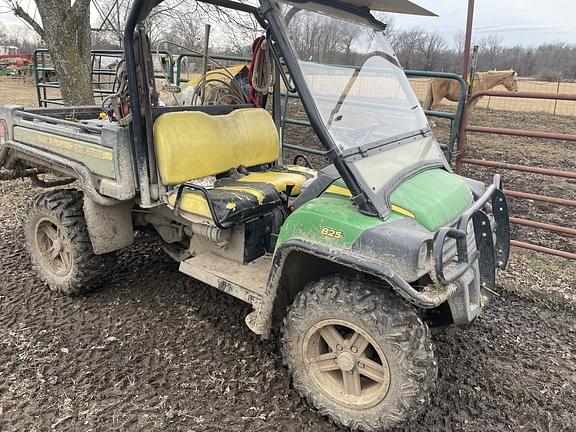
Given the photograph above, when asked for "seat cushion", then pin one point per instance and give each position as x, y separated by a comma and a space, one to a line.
280, 177
192, 144
237, 199
233, 202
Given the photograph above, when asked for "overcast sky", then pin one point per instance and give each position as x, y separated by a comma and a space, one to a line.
525, 22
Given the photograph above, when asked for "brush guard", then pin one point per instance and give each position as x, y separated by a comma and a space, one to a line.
492, 238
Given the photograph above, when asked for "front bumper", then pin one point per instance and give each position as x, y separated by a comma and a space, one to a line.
473, 268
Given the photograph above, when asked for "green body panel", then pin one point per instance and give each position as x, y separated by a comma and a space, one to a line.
331, 220
435, 197
97, 158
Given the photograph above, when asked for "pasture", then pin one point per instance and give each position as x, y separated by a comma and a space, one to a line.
152, 349
564, 108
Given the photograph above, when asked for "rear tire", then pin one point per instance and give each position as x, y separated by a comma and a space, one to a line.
59, 244
358, 353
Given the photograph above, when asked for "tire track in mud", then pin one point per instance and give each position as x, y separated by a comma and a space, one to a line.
151, 349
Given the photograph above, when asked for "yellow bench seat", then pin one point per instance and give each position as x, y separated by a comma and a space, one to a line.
235, 200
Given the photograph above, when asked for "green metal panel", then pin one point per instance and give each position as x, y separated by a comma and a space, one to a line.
99, 159
435, 197
330, 220
218, 57
41, 65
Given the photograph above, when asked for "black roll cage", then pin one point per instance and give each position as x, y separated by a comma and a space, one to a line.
265, 15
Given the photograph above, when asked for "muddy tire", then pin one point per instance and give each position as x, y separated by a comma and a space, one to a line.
59, 245
358, 354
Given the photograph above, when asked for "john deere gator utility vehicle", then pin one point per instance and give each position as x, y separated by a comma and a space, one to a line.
353, 261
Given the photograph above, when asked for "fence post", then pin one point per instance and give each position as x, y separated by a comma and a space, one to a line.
206, 48
557, 92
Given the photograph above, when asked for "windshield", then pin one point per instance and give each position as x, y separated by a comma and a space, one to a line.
362, 97
360, 90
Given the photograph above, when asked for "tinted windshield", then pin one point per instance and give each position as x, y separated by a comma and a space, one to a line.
360, 91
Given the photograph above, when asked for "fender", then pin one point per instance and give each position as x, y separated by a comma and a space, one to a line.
260, 320
52, 161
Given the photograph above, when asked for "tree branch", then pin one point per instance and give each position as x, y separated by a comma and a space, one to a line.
21, 13
80, 5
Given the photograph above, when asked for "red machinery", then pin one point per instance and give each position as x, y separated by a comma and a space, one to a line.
15, 63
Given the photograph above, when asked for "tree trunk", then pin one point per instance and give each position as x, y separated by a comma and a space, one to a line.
66, 32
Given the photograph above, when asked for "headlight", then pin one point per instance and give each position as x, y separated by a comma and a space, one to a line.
424, 255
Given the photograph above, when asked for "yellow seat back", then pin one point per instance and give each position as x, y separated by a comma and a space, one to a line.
192, 144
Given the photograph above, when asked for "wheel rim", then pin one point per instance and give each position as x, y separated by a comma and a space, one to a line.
346, 364
54, 247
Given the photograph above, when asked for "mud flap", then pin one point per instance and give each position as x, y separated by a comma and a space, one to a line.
110, 227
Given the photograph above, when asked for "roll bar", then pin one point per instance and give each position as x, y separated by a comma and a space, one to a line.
139, 11
266, 17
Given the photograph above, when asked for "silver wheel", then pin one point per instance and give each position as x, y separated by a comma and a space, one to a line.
53, 247
346, 363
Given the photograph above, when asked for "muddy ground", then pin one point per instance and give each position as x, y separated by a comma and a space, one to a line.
151, 349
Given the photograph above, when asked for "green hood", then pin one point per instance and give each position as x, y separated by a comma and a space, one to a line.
435, 197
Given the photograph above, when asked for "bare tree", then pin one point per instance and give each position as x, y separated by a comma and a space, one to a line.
19, 36
242, 29
184, 29
65, 28
321, 39
111, 16
491, 52
409, 46
434, 46
3, 35
456, 57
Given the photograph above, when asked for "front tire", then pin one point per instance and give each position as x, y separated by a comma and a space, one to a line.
59, 244
358, 353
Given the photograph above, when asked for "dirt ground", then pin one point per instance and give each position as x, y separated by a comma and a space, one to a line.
152, 349
17, 91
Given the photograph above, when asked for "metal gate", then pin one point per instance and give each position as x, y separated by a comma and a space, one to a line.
462, 159
103, 72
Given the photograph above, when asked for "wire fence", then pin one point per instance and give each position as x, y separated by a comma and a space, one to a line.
554, 107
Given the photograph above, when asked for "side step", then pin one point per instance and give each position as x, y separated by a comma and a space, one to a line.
244, 281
